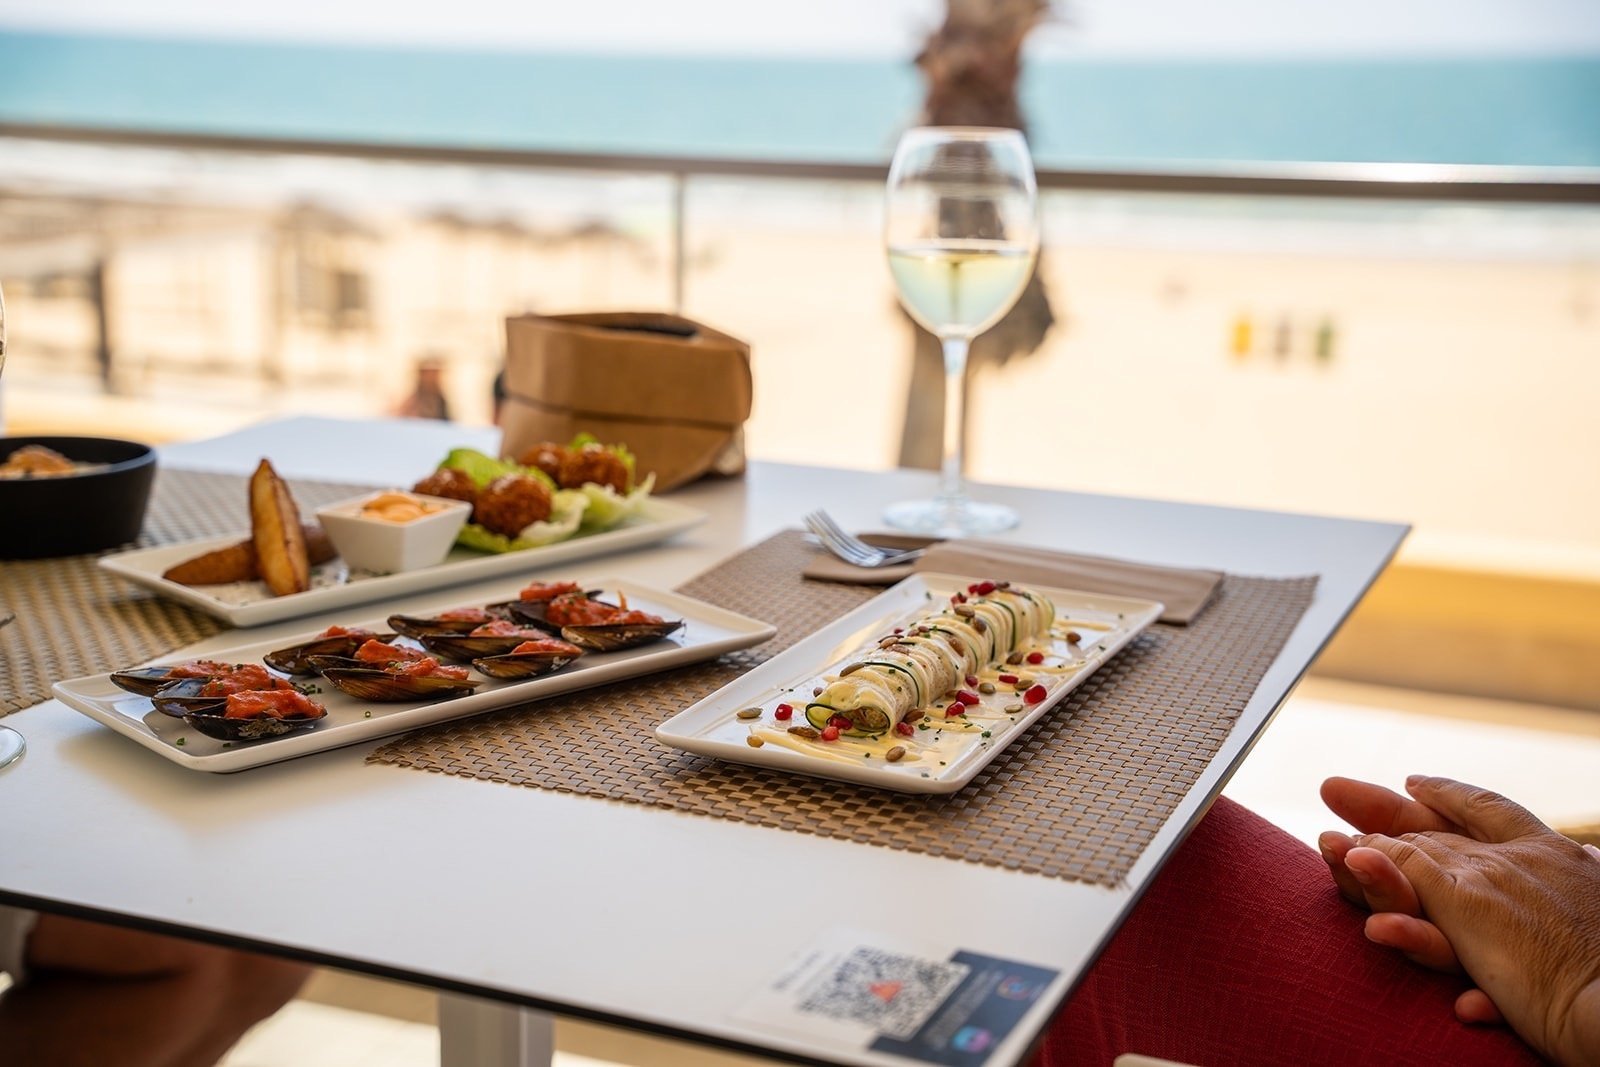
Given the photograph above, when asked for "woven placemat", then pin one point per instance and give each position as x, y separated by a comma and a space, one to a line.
1079, 796
74, 618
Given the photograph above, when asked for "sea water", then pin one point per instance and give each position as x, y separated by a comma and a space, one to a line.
1491, 110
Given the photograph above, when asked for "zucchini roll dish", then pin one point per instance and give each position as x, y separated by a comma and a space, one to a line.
935, 653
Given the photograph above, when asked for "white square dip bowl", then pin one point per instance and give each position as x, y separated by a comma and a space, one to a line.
384, 546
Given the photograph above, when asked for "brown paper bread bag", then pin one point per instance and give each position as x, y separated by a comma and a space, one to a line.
676, 392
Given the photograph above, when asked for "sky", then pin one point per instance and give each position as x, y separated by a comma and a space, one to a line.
858, 27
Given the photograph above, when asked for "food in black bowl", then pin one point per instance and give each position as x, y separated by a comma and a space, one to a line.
61, 496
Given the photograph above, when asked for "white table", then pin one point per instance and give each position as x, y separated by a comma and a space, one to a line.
645, 918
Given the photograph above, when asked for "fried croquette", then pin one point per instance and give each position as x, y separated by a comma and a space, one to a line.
511, 503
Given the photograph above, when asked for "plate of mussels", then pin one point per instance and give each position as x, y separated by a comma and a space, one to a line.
259, 703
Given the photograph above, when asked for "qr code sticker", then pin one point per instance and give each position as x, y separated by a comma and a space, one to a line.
891, 993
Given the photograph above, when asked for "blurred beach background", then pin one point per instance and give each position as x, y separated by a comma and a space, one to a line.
1432, 359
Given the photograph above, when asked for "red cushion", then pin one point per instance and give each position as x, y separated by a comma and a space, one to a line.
1242, 952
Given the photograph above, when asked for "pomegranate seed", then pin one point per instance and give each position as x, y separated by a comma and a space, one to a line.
985, 588
904, 729
831, 733
1009, 679
1035, 695
973, 588
783, 711
1035, 657
839, 722
899, 629
965, 697
972, 679
955, 709
959, 598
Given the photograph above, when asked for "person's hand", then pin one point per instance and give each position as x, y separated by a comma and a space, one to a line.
1371, 880
1518, 903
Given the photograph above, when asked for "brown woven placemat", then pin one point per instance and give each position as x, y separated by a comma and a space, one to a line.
1079, 796
74, 618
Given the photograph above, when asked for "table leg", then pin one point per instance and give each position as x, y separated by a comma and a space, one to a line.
485, 1033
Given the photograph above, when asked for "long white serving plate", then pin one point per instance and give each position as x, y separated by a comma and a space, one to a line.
334, 586
712, 727
708, 632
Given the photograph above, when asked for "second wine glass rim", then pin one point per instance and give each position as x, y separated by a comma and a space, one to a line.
964, 132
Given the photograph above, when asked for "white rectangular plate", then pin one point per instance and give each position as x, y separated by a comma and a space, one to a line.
712, 728
333, 586
708, 632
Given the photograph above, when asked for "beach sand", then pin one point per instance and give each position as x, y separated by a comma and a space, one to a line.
1458, 392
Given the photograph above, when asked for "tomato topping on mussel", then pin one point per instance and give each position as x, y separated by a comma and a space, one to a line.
250, 676
200, 668
547, 644
378, 653
345, 631
579, 610
539, 591
273, 703
426, 667
464, 615
504, 628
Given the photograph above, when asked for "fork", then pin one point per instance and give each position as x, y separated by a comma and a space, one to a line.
853, 550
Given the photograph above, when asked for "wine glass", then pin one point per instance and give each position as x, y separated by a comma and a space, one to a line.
962, 233
11, 743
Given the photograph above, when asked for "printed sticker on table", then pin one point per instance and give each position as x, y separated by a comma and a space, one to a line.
855, 991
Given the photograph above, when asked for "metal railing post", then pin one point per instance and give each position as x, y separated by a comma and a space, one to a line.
680, 251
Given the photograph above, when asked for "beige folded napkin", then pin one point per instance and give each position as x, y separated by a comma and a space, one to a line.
1185, 592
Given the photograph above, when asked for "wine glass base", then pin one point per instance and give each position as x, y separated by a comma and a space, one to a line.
949, 517
11, 746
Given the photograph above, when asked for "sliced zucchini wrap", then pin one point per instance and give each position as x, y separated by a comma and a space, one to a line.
931, 656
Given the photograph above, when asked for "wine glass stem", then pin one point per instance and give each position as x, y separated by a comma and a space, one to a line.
955, 416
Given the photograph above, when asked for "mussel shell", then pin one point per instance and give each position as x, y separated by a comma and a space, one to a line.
183, 696
296, 659
368, 683
256, 729
610, 637
523, 664
142, 681
462, 648
417, 625
531, 613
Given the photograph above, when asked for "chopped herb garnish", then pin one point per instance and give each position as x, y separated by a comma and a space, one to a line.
179, 742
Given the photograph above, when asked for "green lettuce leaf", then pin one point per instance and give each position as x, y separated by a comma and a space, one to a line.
608, 508
483, 468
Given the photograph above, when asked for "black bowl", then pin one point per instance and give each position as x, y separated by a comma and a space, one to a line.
76, 513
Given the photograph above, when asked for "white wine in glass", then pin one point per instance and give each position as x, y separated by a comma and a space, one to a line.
962, 233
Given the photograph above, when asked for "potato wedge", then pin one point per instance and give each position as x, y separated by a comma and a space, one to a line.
279, 539
237, 562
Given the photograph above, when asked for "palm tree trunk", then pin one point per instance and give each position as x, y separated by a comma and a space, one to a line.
971, 64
